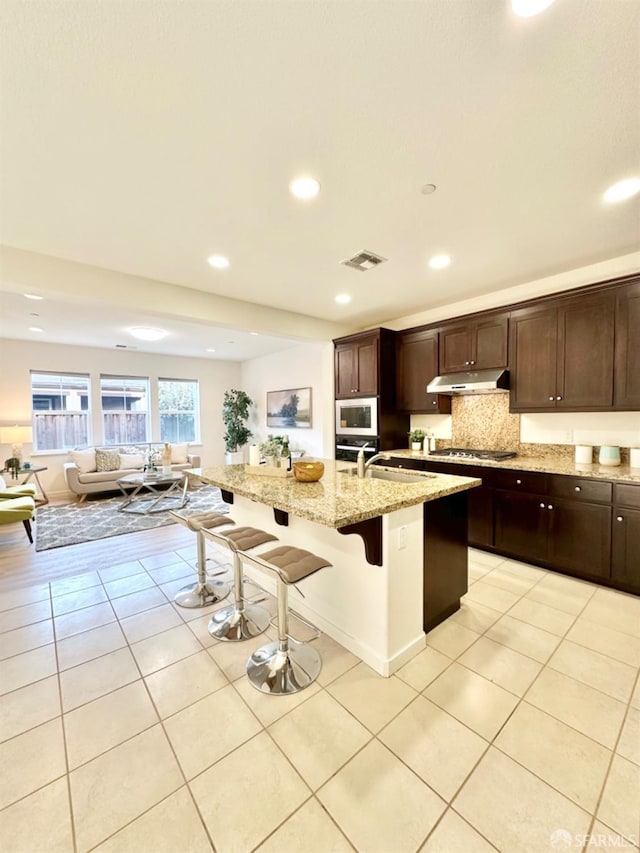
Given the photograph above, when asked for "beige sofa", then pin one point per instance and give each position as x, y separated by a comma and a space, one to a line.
84, 477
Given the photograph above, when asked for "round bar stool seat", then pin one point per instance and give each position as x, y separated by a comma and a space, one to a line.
287, 665
204, 591
243, 620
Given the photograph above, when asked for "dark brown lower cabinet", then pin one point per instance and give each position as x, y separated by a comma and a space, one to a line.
579, 539
625, 564
585, 527
521, 525
480, 503
625, 528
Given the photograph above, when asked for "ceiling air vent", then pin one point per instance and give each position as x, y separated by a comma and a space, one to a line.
364, 260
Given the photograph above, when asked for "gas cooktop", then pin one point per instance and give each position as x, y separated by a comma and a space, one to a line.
467, 453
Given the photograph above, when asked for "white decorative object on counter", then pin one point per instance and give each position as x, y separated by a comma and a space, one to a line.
584, 454
254, 455
634, 457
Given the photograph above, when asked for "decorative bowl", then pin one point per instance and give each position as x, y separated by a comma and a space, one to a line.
308, 472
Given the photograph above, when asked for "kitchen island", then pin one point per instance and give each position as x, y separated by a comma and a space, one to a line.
398, 551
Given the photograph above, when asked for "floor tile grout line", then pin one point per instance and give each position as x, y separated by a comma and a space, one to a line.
448, 809
63, 729
614, 752
160, 722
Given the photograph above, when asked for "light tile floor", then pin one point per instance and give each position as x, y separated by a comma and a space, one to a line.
125, 728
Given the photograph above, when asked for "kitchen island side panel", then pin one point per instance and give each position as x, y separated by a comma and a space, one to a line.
445, 557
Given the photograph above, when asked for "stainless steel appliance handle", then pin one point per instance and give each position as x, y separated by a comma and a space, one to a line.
355, 448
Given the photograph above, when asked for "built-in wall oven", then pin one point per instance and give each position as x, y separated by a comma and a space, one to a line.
348, 446
357, 417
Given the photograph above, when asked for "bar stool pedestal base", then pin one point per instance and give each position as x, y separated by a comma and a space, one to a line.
202, 594
236, 625
281, 671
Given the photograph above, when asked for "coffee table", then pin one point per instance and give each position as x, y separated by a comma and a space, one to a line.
147, 498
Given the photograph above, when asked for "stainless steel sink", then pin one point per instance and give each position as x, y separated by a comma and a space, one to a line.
393, 476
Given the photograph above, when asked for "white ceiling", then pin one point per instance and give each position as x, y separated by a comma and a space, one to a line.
143, 137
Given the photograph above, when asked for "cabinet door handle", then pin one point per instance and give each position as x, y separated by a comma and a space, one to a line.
550, 506
435, 403
552, 398
541, 506
577, 489
467, 362
472, 362
619, 518
558, 398
519, 482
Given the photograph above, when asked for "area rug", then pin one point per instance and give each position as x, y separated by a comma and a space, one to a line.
70, 524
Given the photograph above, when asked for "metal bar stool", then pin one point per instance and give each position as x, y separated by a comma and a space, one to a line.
244, 619
288, 665
204, 591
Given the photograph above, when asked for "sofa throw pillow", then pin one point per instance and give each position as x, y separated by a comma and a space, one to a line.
131, 460
179, 454
107, 460
85, 460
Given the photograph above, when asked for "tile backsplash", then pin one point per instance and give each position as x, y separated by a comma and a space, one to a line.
484, 421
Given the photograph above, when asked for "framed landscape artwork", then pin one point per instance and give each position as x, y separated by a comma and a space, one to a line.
290, 408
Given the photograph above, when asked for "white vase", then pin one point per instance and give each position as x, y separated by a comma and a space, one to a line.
234, 458
416, 445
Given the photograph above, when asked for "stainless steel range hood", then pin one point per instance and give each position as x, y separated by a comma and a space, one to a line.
471, 382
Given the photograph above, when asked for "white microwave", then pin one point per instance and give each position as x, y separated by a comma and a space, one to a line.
357, 417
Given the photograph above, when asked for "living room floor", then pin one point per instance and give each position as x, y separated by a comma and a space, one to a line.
125, 727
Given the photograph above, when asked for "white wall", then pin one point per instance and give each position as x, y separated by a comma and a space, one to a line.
307, 365
595, 428
18, 358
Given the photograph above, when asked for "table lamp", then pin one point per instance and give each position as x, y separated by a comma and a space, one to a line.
16, 436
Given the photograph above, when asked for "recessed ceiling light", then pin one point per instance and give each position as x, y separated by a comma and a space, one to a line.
623, 190
304, 188
254, 333
427, 189
218, 262
343, 299
146, 334
32, 296
35, 329
439, 262
211, 349
529, 8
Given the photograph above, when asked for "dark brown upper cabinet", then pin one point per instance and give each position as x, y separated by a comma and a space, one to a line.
416, 366
561, 356
474, 345
365, 366
356, 366
627, 361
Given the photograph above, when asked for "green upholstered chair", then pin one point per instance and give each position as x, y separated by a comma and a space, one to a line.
26, 490
18, 509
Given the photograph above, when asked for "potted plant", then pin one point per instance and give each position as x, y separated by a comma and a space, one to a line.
416, 436
235, 413
271, 449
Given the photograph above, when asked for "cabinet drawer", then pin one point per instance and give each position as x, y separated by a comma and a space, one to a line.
579, 489
520, 481
627, 495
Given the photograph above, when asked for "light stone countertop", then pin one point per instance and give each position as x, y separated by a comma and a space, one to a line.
338, 498
620, 473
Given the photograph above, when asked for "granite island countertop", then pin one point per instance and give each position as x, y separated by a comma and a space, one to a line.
620, 473
339, 498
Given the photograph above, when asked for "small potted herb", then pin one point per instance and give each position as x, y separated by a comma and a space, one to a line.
416, 436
